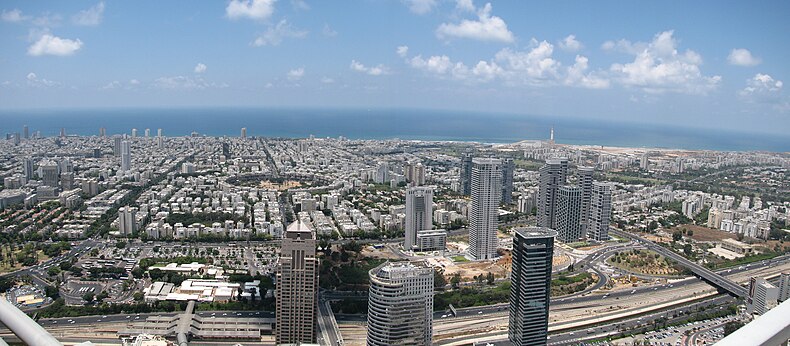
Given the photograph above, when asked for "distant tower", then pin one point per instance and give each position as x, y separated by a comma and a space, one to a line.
102, 132
568, 214
600, 211
419, 213
50, 172
466, 174
551, 136
533, 248
484, 214
243, 133
147, 133
134, 133
116, 148
160, 142
552, 175
159, 132
126, 156
296, 285
26, 132
63, 132
644, 162
508, 167
784, 286
27, 168
400, 304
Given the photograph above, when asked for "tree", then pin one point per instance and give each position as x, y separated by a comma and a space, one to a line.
570, 267
489, 278
438, 280
88, 297
677, 236
687, 249
732, 326
102, 296
138, 296
455, 280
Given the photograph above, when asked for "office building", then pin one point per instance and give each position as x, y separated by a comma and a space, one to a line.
126, 156
147, 133
297, 286
50, 173
66, 166
243, 133
644, 162
62, 132
102, 132
26, 132
568, 214
419, 213
483, 216
584, 178
17, 138
552, 175
533, 248
160, 142
27, 168
116, 148
126, 220
415, 173
466, 175
508, 167
784, 286
159, 132
762, 296
134, 133
600, 211
400, 304
431, 240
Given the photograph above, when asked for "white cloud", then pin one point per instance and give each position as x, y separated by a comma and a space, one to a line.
134, 82
761, 87
570, 43
183, 83
53, 45
576, 76
200, 68
328, 31
300, 5
111, 85
624, 46
371, 70
252, 9
465, 5
274, 35
531, 66
296, 74
13, 16
420, 6
659, 67
34, 81
402, 51
327, 80
743, 57
89, 17
485, 28
47, 20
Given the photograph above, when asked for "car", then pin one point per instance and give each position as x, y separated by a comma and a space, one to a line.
225, 314
72, 322
105, 316
54, 322
127, 316
99, 320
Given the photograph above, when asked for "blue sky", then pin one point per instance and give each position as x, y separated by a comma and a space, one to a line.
706, 64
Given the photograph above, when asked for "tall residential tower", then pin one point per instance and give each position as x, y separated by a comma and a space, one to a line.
533, 248
483, 216
400, 304
419, 213
297, 287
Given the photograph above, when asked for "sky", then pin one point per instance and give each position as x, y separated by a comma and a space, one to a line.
713, 65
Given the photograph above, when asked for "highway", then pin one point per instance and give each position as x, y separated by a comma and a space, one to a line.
705, 273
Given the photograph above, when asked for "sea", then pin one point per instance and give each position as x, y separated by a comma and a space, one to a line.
436, 125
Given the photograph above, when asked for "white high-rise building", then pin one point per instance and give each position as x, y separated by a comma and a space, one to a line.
762, 296
159, 132
126, 220
400, 304
116, 148
784, 286
297, 287
569, 206
600, 211
27, 168
419, 213
243, 133
134, 133
484, 214
584, 178
552, 175
644, 162
126, 156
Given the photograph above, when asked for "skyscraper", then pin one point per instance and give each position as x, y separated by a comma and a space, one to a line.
102, 132
584, 178
784, 286
552, 175
26, 132
134, 133
419, 213
147, 133
297, 286
126, 156
116, 148
50, 172
530, 281
400, 304
762, 296
243, 133
508, 166
27, 168
600, 211
466, 174
126, 220
159, 132
568, 214
644, 162
486, 194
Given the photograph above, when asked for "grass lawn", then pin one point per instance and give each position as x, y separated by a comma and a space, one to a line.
460, 258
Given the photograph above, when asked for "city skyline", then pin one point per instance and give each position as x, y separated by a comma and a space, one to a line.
698, 70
